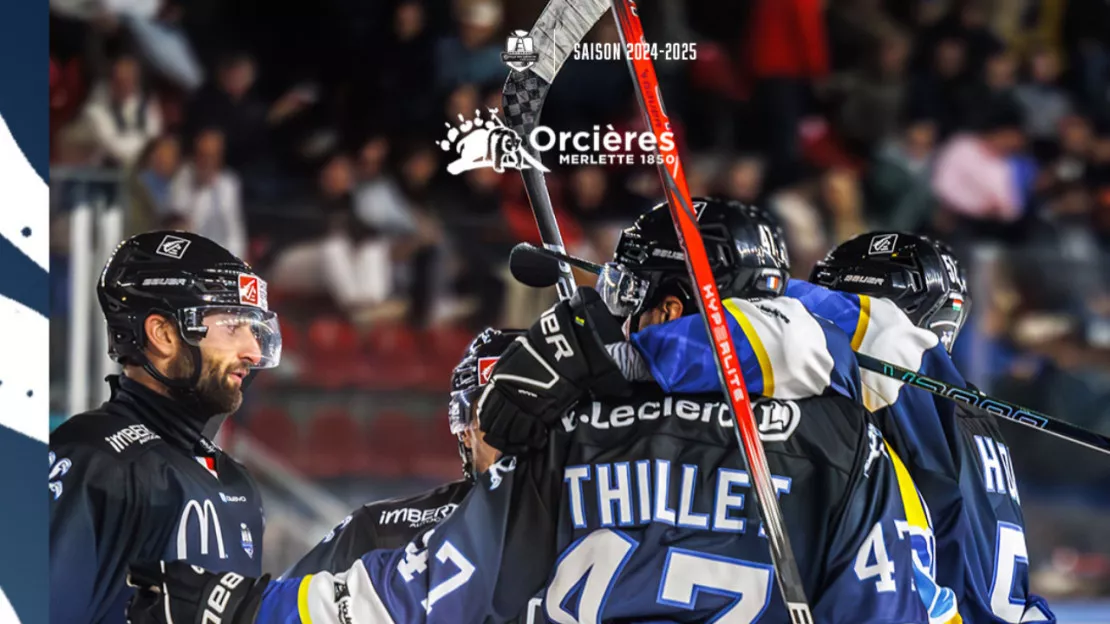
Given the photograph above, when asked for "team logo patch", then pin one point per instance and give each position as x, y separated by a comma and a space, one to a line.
173, 247
520, 51
882, 244
247, 541
777, 419
485, 369
250, 291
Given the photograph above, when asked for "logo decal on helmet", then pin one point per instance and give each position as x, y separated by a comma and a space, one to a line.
883, 244
250, 291
485, 369
173, 247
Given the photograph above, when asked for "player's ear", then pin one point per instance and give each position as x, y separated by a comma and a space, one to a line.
162, 339
672, 308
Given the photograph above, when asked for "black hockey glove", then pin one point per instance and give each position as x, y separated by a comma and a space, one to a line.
555, 364
179, 593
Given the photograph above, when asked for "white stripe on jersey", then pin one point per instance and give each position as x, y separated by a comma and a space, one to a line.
794, 344
362, 606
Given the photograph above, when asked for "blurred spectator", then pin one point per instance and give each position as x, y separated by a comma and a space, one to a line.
743, 180
870, 99
1043, 99
998, 81
349, 263
150, 184
897, 183
231, 106
787, 46
973, 179
935, 93
473, 54
122, 114
207, 196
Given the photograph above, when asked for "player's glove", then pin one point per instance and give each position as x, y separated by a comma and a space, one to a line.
179, 593
559, 360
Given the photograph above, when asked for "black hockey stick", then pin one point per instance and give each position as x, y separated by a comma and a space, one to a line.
559, 28
538, 267
989, 404
731, 378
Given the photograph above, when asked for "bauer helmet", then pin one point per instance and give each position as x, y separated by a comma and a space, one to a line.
471, 374
745, 245
920, 275
187, 278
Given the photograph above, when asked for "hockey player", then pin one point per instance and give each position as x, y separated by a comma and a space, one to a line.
135, 479
648, 495
903, 299
393, 523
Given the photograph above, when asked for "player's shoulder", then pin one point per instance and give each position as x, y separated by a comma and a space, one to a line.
427, 507
115, 437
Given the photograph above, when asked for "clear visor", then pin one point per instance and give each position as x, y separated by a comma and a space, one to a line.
459, 408
622, 292
251, 333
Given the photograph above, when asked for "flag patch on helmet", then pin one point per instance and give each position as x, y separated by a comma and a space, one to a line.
251, 291
485, 369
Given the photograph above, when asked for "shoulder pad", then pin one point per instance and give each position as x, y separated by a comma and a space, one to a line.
104, 433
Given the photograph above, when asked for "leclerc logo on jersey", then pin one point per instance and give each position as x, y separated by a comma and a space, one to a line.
485, 369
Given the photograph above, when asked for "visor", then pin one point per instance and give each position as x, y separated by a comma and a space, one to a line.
622, 292
459, 408
250, 332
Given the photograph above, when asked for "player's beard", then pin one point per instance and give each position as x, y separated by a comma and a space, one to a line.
215, 391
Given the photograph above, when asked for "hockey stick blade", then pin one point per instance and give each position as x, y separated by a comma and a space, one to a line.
989, 404
712, 313
561, 26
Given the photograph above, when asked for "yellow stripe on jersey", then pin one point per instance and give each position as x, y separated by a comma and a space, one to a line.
302, 600
911, 501
862, 322
757, 347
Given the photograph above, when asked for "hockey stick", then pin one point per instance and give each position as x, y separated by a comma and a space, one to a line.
998, 407
537, 267
697, 265
559, 28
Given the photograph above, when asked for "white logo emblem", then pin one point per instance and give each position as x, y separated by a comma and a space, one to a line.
173, 246
777, 419
486, 143
503, 465
205, 512
58, 469
247, 542
519, 51
882, 244
876, 448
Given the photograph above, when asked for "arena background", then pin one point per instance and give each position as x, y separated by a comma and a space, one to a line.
305, 138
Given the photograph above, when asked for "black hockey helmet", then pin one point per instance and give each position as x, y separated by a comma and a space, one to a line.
469, 376
745, 245
192, 280
920, 275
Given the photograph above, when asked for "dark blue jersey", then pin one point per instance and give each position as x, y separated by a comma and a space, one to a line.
128, 485
642, 511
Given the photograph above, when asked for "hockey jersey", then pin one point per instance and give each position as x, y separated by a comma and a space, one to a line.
640, 511
941, 449
130, 481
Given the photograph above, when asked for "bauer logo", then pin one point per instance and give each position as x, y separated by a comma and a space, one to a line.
485, 369
882, 244
173, 247
252, 291
519, 53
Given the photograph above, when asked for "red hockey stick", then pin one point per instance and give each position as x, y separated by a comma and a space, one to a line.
712, 312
